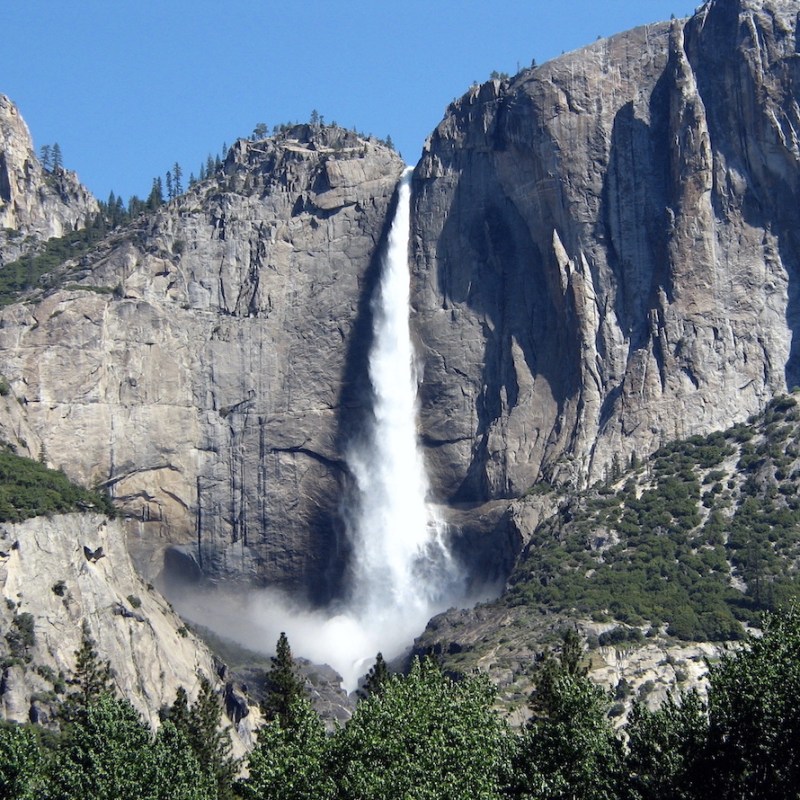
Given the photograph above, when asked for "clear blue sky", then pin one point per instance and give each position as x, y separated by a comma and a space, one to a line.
128, 88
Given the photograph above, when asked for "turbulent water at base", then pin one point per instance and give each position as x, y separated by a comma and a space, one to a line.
402, 572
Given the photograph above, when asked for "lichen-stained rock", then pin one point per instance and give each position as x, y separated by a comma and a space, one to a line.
50, 591
35, 204
606, 251
202, 363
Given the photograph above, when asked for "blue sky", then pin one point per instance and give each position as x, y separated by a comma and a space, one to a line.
128, 88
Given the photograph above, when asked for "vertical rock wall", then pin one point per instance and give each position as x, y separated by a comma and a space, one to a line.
202, 364
606, 251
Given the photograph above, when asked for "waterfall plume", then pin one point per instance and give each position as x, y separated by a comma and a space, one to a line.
402, 569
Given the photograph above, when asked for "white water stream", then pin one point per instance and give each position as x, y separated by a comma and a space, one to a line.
402, 568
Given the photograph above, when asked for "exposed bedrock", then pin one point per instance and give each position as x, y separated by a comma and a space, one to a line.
606, 251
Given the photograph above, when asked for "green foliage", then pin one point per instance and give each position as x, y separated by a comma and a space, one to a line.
209, 743
666, 749
109, 753
569, 749
21, 763
376, 678
90, 679
178, 774
549, 670
21, 636
754, 716
423, 736
29, 489
28, 272
104, 754
662, 549
290, 763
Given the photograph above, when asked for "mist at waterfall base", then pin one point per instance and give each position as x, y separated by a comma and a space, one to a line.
402, 572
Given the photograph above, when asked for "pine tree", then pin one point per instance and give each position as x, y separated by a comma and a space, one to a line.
119, 215
56, 157
135, 206
90, 678
290, 764
211, 743
170, 190
177, 179
46, 156
178, 712
282, 685
179, 774
156, 196
549, 670
376, 678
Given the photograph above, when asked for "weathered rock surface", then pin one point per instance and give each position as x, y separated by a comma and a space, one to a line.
606, 251
205, 363
35, 204
605, 257
45, 571
506, 643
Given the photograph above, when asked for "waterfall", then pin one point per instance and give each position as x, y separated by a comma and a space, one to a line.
402, 569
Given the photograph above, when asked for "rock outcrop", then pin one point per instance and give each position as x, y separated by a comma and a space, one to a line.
35, 204
205, 363
606, 251
61, 574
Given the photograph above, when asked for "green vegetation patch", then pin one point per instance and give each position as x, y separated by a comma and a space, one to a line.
28, 272
674, 546
29, 489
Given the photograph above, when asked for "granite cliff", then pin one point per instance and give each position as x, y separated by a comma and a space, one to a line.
202, 363
35, 204
68, 575
606, 251
604, 258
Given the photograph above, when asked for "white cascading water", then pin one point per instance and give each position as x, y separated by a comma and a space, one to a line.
402, 569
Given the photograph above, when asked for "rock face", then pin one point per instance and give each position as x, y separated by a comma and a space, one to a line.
206, 363
35, 204
64, 572
605, 257
606, 251
508, 643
